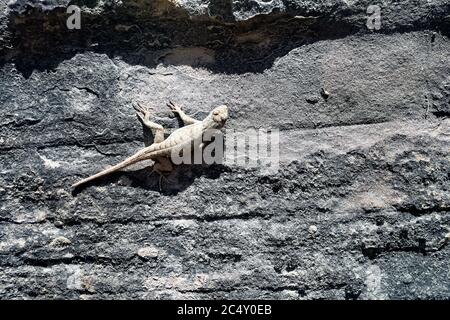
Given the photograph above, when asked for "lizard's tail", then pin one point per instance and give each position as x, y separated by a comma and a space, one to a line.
127, 162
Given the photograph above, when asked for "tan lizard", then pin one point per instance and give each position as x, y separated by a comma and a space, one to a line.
161, 149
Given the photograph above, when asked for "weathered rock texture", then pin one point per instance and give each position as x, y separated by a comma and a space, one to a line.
360, 207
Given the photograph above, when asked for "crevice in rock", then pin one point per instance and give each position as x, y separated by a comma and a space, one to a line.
415, 211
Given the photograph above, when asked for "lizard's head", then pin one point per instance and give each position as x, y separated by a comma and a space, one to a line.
218, 116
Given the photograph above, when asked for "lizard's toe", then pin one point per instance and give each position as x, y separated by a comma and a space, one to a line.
141, 111
138, 108
171, 106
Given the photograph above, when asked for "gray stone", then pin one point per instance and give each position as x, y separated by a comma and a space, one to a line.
148, 252
60, 242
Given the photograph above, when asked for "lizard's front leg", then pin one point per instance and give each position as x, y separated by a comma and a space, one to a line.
183, 116
143, 114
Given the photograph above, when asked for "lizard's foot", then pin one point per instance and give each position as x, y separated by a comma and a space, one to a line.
178, 111
162, 177
175, 108
142, 112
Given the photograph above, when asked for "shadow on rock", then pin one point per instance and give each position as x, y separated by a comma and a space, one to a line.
40, 40
177, 181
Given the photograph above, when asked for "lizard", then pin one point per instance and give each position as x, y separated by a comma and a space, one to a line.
161, 149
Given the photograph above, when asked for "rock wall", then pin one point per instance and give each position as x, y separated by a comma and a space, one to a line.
359, 209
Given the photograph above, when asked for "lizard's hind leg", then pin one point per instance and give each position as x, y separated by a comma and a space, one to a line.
143, 114
162, 166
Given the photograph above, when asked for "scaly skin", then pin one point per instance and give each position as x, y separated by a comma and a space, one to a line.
160, 151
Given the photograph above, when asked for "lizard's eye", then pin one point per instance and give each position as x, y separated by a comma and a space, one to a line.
216, 113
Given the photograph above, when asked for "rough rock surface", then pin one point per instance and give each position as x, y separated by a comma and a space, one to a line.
360, 207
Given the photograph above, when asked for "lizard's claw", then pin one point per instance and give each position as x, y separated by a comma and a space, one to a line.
175, 108
161, 177
137, 106
142, 112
